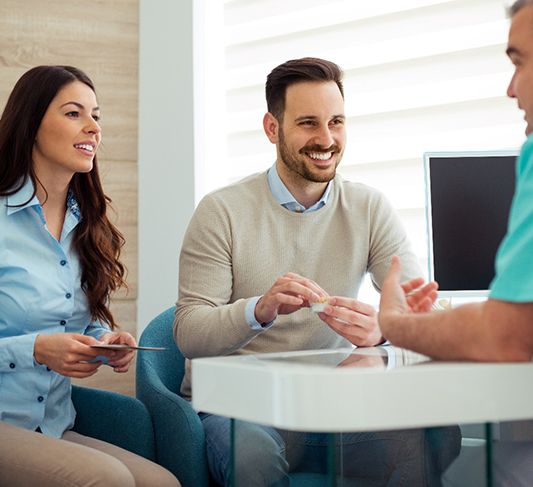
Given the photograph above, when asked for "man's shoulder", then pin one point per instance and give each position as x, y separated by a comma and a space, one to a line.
352, 189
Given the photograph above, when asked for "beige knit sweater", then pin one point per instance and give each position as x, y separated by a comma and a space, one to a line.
241, 240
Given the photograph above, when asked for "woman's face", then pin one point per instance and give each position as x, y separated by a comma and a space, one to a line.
69, 133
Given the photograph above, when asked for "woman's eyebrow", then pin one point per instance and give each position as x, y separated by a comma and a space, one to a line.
79, 105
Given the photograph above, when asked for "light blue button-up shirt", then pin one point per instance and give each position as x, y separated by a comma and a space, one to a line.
40, 292
284, 197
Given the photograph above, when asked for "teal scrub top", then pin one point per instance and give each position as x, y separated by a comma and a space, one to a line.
514, 261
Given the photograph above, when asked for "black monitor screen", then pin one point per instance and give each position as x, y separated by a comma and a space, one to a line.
468, 201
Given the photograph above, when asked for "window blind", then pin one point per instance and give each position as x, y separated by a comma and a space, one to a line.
420, 75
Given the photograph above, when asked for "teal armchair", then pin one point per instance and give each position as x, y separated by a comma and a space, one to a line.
179, 436
120, 420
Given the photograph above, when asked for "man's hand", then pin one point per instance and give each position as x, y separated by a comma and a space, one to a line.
396, 298
67, 353
353, 320
288, 294
119, 360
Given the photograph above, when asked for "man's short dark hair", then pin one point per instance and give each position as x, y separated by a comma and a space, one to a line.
515, 7
298, 71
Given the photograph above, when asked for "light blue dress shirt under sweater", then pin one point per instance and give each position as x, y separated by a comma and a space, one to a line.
40, 292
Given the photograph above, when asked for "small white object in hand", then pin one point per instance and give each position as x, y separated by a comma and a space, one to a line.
318, 306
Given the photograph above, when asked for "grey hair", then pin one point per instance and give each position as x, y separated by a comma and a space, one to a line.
517, 6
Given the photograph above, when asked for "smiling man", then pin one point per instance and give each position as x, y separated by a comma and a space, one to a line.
257, 252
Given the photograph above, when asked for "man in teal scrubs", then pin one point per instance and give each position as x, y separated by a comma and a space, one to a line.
501, 328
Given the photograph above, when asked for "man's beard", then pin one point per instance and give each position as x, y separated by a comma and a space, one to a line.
297, 165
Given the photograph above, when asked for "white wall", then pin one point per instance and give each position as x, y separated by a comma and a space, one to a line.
166, 149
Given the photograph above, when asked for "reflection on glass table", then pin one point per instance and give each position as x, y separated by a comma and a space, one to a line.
381, 416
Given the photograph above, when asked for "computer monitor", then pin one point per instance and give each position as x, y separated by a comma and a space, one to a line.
468, 198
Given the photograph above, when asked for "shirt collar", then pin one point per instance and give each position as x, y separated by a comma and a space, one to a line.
19, 201
284, 197
22, 199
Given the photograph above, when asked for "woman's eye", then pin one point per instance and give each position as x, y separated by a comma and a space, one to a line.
96, 118
72, 114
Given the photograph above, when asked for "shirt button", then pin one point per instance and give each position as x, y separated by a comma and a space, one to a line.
62, 322
68, 295
12, 365
48, 368
298, 209
40, 398
63, 262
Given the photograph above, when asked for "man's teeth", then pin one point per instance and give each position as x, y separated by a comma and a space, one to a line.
320, 156
84, 146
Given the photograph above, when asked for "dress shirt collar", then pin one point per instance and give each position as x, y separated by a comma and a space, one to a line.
284, 197
19, 201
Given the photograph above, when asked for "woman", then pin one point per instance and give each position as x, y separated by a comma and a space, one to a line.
59, 263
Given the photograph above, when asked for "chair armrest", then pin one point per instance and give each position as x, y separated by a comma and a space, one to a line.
115, 418
179, 435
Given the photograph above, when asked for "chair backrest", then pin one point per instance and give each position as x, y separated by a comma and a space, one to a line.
170, 363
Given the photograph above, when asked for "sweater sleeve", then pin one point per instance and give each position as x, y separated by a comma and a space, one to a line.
388, 238
208, 322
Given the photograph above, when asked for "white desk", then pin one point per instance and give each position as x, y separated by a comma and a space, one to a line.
308, 391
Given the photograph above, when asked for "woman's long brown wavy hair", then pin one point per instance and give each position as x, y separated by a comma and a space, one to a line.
96, 240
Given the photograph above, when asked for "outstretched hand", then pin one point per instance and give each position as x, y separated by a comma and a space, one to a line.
396, 298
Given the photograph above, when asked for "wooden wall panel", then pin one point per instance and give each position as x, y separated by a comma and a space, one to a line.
120, 184
102, 39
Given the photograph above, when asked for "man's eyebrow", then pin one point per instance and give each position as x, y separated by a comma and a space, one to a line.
79, 105
314, 117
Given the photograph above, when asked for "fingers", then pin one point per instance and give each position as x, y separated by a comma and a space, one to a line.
123, 338
409, 286
288, 294
353, 320
68, 354
350, 306
120, 360
81, 370
420, 294
308, 284
423, 299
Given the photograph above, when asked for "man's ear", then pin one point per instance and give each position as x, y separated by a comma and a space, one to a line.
271, 127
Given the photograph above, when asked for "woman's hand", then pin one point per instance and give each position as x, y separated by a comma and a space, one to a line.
120, 360
68, 354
